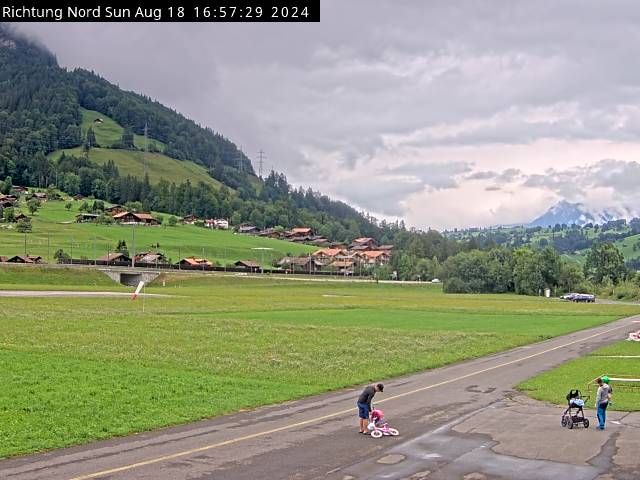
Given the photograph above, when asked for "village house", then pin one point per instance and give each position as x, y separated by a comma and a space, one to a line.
24, 259
374, 257
7, 200
150, 258
300, 264
386, 248
299, 234
130, 218
18, 189
41, 196
20, 216
115, 258
344, 267
248, 229
195, 262
319, 241
219, 223
114, 209
270, 233
248, 265
366, 242
327, 254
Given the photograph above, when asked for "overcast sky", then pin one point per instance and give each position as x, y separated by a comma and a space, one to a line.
444, 113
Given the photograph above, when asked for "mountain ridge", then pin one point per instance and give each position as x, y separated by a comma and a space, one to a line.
568, 213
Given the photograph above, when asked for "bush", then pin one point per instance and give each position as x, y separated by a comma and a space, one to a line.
456, 285
628, 290
104, 219
24, 225
61, 256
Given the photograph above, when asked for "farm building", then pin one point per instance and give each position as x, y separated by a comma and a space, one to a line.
270, 233
150, 257
114, 209
366, 242
219, 223
24, 259
300, 264
249, 265
195, 262
130, 218
248, 229
299, 233
374, 257
342, 266
115, 258
328, 253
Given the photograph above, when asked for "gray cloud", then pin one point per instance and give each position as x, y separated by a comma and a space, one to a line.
434, 175
619, 177
415, 81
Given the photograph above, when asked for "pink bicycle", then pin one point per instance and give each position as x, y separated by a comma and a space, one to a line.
379, 427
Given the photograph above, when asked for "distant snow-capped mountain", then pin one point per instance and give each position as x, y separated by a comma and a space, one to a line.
576, 213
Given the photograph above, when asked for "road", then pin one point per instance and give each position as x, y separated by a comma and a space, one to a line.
71, 293
462, 421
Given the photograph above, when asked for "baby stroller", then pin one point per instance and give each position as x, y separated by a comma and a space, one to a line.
574, 414
378, 426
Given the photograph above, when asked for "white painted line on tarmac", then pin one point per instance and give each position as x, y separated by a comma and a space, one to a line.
290, 426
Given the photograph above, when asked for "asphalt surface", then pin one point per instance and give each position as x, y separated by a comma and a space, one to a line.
71, 293
462, 421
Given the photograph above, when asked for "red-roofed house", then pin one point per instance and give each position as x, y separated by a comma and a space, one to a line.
299, 233
374, 257
328, 253
195, 262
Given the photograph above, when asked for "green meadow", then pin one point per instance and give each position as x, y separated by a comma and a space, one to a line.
79, 369
54, 227
109, 131
621, 360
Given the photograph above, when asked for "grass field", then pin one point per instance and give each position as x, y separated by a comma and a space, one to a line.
159, 166
52, 230
74, 370
626, 247
109, 131
553, 386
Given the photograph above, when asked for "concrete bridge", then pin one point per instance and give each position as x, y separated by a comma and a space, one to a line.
129, 276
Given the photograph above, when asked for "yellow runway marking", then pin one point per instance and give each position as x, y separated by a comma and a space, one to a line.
325, 417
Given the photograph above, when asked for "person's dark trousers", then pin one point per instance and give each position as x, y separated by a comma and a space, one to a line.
602, 414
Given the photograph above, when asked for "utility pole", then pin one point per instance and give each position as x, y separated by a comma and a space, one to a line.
133, 254
261, 157
240, 162
146, 147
